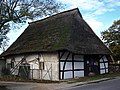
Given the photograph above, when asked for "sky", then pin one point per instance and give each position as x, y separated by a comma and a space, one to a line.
99, 14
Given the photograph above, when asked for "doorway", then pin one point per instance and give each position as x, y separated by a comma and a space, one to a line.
91, 65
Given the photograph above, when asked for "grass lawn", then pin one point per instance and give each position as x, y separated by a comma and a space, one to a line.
91, 78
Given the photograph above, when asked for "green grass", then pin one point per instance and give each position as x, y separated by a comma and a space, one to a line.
97, 77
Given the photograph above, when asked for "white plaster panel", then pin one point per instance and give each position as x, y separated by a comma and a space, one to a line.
65, 56
47, 65
106, 70
55, 70
35, 74
18, 58
70, 57
102, 71
101, 60
8, 60
102, 65
45, 75
78, 73
61, 65
55, 66
55, 75
61, 75
34, 65
68, 66
78, 57
68, 75
32, 57
48, 58
78, 65
105, 59
106, 64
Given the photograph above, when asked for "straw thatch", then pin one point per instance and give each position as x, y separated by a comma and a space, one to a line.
63, 31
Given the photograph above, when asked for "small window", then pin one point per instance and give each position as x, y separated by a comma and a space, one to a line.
41, 65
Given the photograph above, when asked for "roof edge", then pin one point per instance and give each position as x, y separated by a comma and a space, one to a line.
57, 14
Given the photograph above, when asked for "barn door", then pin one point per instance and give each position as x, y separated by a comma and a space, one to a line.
24, 70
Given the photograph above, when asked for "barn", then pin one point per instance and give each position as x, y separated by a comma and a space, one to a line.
58, 47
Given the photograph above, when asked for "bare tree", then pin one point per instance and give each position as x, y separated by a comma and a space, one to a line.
18, 11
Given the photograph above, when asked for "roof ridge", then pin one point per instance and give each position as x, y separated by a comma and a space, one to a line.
54, 15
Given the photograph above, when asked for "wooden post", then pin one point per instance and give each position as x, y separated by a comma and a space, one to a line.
51, 71
32, 71
73, 65
41, 74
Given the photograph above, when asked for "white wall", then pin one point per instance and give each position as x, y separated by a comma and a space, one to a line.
51, 65
79, 65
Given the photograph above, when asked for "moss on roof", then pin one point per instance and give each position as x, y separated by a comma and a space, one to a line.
63, 31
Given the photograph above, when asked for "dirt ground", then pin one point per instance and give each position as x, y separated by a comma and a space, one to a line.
32, 86
44, 86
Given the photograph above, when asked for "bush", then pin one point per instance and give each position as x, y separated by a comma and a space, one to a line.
5, 71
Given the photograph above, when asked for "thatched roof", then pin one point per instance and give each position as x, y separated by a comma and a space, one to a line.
63, 31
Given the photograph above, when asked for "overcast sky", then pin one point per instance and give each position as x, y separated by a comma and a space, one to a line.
99, 14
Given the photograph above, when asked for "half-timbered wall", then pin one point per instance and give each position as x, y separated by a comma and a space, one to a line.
54, 66
71, 65
49, 62
103, 65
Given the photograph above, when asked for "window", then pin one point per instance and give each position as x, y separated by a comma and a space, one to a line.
41, 65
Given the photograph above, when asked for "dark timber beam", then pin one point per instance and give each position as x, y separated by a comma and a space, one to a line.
73, 65
64, 65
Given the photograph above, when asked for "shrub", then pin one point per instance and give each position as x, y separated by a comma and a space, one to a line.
5, 71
